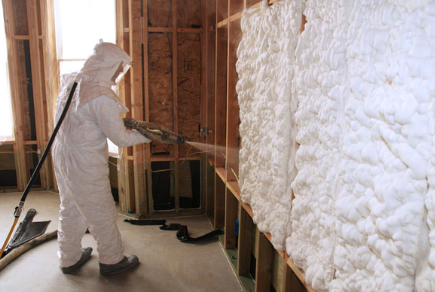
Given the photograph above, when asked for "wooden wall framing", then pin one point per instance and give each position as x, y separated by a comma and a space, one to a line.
33, 80
273, 268
166, 85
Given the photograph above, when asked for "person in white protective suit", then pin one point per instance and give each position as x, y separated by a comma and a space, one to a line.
80, 155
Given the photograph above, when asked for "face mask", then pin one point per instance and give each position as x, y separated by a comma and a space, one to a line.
120, 72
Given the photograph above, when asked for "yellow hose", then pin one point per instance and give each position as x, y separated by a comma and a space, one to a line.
9, 236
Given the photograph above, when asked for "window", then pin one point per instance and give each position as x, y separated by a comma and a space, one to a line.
6, 118
80, 24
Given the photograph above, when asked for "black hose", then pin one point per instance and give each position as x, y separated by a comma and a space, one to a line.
19, 208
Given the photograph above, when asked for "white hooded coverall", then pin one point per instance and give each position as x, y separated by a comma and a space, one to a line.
80, 155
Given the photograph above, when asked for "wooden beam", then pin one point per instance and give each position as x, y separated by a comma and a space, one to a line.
234, 189
190, 30
220, 171
291, 282
175, 100
232, 124
219, 202
51, 74
248, 209
170, 29
220, 84
231, 205
210, 190
38, 97
148, 159
137, 103
238, 15
245, 239
263, 270
298, 273
210, 38
17, 106
203, 112
122, 41
220, 95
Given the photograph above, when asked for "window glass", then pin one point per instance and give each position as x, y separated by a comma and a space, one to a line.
80, 24
6, 118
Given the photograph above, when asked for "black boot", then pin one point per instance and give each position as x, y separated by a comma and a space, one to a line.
86, 255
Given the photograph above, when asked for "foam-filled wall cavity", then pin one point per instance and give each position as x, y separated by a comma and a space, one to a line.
265, 62
320, 85
382, 234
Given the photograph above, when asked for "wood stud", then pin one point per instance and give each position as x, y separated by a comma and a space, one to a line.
34, 31
227, 36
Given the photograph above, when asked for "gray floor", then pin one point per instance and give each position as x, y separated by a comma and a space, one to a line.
166, 264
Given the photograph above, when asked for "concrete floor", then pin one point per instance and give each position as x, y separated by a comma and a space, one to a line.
165, 263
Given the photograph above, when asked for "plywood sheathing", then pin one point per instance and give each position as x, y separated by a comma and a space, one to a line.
164, 86
189, 88
160, 84
7, 157
20, 16
189, 13
160, 13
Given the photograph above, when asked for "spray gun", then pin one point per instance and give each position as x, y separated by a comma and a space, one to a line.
154, 132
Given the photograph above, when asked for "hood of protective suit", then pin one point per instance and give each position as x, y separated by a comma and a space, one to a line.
107, 63
102, 70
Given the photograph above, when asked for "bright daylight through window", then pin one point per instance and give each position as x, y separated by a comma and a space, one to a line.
6, 118
80, 24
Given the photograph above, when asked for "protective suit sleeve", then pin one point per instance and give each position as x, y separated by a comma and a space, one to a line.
108, 115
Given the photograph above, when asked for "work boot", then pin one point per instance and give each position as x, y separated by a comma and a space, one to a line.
125, 264
86, 255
